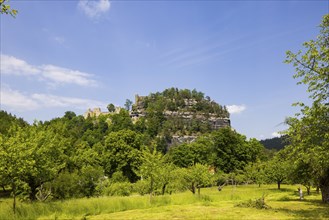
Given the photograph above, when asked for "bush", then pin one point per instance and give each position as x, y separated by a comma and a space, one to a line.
76, 184
119, 189
66, 186
142, 187
258, 203
117, 185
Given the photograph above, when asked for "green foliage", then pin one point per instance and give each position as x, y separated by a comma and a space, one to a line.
31, 155
309, 130
121, 152
236, 177
117, 185
174, 103
186, 155
72, 157
257, 203
276, 143
120, 121
182, 155
142, 187
225, 149
255, 173
128, 104
109, 187
79, 183
66, 186
231, 151
8, 120
312, 65
110, 107
277, 170
211, 205
6, 9
85, 155
150, 169
196, 177
301, 173
89, 176
119, 189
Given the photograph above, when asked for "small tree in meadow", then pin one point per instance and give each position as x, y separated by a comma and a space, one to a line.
197, 176
277, 169
150, 169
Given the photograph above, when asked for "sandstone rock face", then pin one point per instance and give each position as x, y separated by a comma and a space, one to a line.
188, 115
176, 140
215, 122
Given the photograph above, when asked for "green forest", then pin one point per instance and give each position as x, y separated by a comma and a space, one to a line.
73, 156
132, 152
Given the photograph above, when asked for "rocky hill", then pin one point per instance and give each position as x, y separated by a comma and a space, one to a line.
181, 114
175, 115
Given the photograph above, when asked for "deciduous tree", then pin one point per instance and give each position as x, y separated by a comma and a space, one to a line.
309, 130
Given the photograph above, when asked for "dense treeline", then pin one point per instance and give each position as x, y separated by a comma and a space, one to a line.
8, 120
276, 143
109, 155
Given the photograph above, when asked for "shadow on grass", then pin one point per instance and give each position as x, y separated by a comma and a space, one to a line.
276, 190
4, 194
318, 211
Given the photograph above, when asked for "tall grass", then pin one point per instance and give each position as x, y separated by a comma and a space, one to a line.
210, 197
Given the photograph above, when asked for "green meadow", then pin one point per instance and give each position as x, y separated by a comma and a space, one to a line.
233, 202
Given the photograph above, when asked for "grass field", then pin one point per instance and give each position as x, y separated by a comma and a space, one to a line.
212, 204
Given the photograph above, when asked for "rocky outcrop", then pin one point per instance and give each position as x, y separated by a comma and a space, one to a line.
176, 140
190, 117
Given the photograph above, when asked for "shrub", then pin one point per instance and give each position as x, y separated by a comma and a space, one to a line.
66, 186
258, 203
142, 187
119, 189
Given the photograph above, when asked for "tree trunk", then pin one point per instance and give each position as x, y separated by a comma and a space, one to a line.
14, 204
33, 193
33, 187
317, 189
13, 191
325, 193
151, 189
193, 188
164, 188
308, 188
324, 186
279, 184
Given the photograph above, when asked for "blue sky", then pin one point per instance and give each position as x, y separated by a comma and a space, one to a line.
73, 55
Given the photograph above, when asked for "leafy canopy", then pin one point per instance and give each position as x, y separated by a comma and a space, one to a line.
309, 130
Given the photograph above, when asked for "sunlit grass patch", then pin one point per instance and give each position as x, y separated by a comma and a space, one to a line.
211, 204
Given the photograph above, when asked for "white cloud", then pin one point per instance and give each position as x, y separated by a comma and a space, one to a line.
236, 109
14, 66
66, 76
52, 74
17, 101
47, 100
276, 134
94, 9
